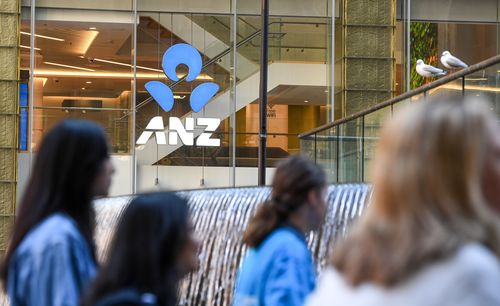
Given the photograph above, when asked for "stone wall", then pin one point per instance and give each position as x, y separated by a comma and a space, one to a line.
368, 55
9, 96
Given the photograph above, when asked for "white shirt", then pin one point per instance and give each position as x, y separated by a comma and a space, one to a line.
471, 277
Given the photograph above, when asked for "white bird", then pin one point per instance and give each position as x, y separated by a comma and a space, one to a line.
451, 62
428, 71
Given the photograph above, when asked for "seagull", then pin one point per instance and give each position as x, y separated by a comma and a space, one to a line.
451, 62
428, 71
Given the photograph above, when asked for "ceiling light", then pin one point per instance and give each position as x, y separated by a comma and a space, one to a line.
83, 88
43, 36
97, 75
93, 28
124, 64
68, 66
86, 41
28, 47
306, 101
88, 82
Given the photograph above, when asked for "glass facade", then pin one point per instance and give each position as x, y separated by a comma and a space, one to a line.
91, 60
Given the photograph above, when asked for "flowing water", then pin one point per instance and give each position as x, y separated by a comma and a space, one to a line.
220, 217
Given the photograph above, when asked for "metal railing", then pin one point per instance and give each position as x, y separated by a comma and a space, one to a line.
345, 147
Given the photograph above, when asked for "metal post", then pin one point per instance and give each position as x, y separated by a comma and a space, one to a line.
408, 46
233, 100
463, 86
31, 108
263, 91
363, 179
134, 98
332, 64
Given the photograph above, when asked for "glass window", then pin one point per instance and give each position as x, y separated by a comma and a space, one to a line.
373, 124
83, 69
350, 151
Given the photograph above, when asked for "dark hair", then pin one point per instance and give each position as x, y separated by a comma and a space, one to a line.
293, 180
145, 250
69, 160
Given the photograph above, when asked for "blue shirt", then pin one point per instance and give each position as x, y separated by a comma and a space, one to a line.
51, 266
279, 272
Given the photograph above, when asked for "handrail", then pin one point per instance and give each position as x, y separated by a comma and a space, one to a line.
446, 79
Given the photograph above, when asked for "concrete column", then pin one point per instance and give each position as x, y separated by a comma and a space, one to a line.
9, 96
368, 55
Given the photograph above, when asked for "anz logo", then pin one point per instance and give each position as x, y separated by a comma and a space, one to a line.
174, 56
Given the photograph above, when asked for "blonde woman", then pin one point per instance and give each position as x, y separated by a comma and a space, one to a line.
430, 236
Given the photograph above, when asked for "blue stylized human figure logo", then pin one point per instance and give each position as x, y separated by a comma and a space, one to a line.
173, 57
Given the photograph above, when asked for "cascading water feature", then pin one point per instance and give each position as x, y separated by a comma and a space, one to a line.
220, 216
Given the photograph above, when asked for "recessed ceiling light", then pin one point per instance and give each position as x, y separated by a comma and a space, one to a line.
68, 66
43, 36
306, 101
83, 88
93, 28
88, 82
125, 64
27, 47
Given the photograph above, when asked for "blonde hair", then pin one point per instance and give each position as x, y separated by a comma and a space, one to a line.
427, 198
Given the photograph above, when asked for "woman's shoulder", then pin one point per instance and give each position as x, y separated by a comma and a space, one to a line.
55, 231
474, 258
478, 268
331, 288
471, 274
285, 241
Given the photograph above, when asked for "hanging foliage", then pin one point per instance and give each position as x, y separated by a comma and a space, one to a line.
423, 45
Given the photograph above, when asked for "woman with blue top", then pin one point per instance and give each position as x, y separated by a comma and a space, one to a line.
153, 249
51, 255
279, 269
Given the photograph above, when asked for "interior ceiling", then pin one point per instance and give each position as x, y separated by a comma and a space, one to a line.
85, 43
297, 95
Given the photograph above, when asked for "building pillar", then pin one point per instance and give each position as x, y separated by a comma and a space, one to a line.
368, 55
9, 95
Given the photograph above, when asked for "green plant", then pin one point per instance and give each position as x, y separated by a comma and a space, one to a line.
423, 45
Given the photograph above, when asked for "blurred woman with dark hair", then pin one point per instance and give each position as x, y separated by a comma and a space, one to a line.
430, 236
51, 255
153, 248
279, 269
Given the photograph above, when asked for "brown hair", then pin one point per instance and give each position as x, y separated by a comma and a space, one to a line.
427, 199
293, 180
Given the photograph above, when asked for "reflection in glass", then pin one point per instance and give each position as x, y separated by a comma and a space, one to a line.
83, 70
